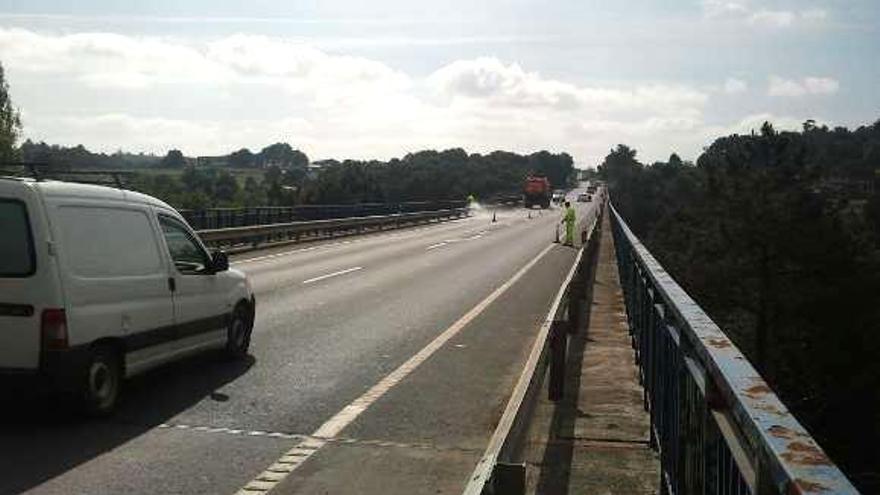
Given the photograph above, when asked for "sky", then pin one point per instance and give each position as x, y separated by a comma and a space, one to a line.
364, 80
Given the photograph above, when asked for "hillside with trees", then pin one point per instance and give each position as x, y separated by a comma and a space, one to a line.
777, 236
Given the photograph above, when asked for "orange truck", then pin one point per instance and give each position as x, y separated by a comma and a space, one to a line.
536, 192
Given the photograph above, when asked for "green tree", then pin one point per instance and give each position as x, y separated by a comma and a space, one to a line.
242, 158
10, 122
282, 155
252, 194
225, 188
174, 159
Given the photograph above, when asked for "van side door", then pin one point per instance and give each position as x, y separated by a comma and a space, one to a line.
113, 273
200, 307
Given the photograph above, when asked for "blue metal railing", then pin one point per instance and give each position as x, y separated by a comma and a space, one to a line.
718, 427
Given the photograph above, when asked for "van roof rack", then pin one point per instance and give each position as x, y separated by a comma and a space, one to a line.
41, 171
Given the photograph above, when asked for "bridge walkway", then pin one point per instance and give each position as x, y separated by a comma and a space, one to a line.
596, 440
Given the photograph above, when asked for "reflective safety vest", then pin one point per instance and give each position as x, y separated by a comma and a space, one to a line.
569, 215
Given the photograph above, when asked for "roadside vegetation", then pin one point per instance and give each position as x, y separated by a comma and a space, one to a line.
777, 236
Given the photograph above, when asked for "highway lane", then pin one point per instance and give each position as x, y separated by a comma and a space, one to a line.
325, 333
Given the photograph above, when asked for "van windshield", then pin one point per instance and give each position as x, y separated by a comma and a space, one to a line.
16, 249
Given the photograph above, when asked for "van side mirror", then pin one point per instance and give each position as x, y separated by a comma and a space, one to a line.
219, 261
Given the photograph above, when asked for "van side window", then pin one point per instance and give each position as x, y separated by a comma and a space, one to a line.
187, 254
105, 242
16, 245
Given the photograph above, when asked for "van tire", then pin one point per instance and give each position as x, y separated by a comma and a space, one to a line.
239, 333
102, 382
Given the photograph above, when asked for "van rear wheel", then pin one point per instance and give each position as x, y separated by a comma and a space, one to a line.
103, 381
239, 333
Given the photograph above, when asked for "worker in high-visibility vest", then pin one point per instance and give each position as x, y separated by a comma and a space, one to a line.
471, 199
568, 219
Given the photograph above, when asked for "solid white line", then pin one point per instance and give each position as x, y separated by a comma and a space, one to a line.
334, 274
268, 479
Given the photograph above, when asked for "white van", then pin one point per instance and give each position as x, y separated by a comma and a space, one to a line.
98, 284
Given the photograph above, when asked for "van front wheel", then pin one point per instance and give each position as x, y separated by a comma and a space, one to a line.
239, 333
103, 381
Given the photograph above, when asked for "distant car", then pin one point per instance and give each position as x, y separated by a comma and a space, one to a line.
98, 284
584, 198
558, 197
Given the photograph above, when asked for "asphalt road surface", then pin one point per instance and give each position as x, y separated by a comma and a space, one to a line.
384, 361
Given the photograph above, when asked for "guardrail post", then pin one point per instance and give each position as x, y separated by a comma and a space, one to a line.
558, 343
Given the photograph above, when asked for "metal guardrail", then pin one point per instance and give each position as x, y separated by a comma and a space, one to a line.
221, 218
501, 470
717, 426
254, 235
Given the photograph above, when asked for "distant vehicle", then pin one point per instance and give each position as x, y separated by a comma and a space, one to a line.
536, 192
592, 188
558, 196
584, 198
98, 284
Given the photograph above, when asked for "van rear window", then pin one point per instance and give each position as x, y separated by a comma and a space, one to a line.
16, 245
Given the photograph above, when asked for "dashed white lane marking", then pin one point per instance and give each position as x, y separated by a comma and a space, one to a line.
329, 431
408, 233
338, 440
334, 274
233, 431
453, 241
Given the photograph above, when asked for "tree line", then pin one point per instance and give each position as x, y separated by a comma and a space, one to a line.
777, 236
422, 176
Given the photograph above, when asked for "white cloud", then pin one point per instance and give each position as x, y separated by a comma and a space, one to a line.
112, 91
773, 18
490, 81
785, 87
117, 61
744, 11
724, 8
821, 85
260, 56
733, 86
108, 59
808, 86
814, 15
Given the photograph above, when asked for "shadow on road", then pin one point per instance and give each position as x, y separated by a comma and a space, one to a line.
42, 437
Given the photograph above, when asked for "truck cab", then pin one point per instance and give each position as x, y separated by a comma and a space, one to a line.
537, 192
